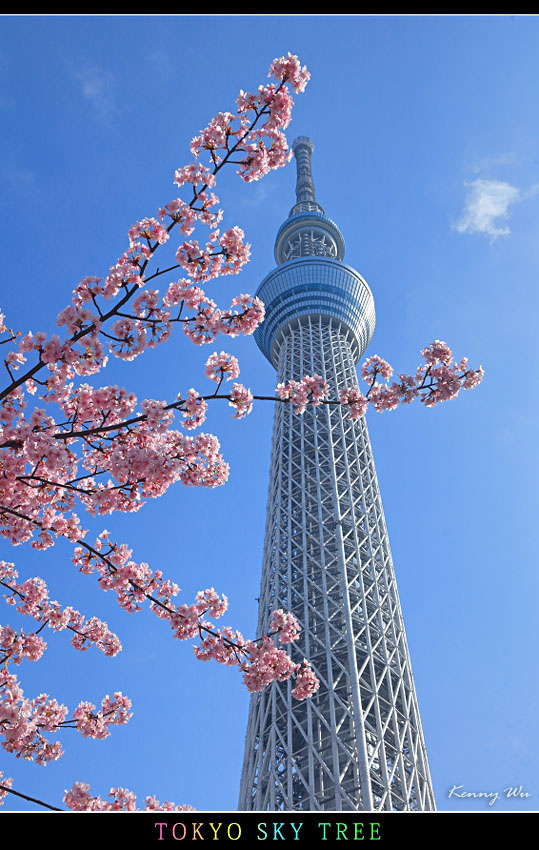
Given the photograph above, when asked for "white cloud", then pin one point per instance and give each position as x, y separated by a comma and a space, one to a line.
489, 162
487, 204
533, 190
97, 87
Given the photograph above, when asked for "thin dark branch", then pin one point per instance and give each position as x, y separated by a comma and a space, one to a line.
30, 799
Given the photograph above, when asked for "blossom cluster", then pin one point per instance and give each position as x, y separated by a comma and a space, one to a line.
23, 722
306, 682
194, 410
219, 365
264, 148
222, 254
310, 390
14, 645
356, 401
438, 379
79, 799
241, 399
266, 664
285, 624
94, 724
261, 662
6, 782
32, 597
121, 463
289, 68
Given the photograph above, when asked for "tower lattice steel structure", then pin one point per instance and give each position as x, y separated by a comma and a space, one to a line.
357, 743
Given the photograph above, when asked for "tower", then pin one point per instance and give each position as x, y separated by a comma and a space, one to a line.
357, 743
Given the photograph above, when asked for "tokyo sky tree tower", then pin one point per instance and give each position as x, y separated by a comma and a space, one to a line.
357, 744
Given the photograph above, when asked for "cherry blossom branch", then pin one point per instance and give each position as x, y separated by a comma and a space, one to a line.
139, 456
79, 799
34, 601
22, 720
135, 582
261, 664
272, 102
311, 390
41, 475
7, 789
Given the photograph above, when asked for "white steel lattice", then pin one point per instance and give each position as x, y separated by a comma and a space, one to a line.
357, 744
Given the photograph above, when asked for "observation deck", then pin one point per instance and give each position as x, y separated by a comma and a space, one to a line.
311, 278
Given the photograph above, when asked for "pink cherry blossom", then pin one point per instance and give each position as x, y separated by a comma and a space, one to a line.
241, 399
289, 68
266, 664
220, 365
374, 366
306, 682
150, 229
436, 352
194, 410
6, 782
79, 799
286, 624
357, 402
310, 390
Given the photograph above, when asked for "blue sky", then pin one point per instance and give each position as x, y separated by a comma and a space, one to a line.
426, 155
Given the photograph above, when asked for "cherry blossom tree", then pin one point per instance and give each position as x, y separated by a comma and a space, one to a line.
67, 444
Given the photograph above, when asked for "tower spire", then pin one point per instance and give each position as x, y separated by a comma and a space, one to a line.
307, 232
303, 148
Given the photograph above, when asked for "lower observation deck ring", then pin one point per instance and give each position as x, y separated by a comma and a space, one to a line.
315, 286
